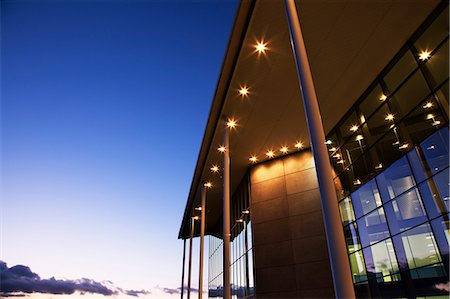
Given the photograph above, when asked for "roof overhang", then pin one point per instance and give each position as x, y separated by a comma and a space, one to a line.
348, 43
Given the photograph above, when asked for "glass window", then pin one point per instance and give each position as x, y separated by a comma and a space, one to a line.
366, 198
346, 210
435, 149
377, 125
374, 99
438, 65
409, 95
435, 194
419, 246
400, 71
349, 126
436, 270
426, 119
434, 34
352, 238
441, 228
405, 211
416, 165
381, 261
373, 228
395, 180
357, 267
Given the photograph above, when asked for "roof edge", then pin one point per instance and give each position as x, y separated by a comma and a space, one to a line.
235, 42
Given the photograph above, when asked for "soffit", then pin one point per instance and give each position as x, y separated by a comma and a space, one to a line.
348, 44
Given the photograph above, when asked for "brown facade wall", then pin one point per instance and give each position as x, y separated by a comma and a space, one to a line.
290, 249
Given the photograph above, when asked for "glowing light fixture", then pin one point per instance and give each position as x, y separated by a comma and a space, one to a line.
403, 146
215, 168
340, 161
253, 159
239, 220
389, 117
245, 212
359, 137
284, 149
427, 105
328, 142
198, 208
270, 154
196, 218
243, 91
354, 128
430, 116
221, 149
231, 123
333, 149
379, 166
207, 184
424, 55
383, 97
298, 145
261, 47
357, 182
337, 156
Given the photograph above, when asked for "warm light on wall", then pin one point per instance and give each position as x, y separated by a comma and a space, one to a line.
221, 149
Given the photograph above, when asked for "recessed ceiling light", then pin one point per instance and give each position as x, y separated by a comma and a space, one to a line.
424, 55
270, 154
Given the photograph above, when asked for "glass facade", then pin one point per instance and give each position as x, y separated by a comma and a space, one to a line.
242, 274
390, 154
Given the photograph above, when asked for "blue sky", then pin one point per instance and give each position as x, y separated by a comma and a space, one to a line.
103, 107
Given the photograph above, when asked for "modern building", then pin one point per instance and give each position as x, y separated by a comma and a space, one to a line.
380, 71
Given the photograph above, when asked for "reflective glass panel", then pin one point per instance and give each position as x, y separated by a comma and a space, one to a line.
366, 198
409, 95
395, 180
348, 126
435, 194
438, 65
405, 211
373, 228
352, 238
374, 99
346, 211
400, 71
357, 267
381, 261
434, 34
441, 229
435, 149
419, 246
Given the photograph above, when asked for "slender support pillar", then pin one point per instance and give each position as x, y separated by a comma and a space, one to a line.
340, 268
226, 212
202, 240
182, 273
247, 280
190, 258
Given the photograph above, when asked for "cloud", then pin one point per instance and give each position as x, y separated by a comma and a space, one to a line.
172, 291
443, 286
20, 279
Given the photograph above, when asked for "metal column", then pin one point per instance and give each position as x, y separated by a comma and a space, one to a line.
337, 250
184, 263
190, 258
202, 238
226, 211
